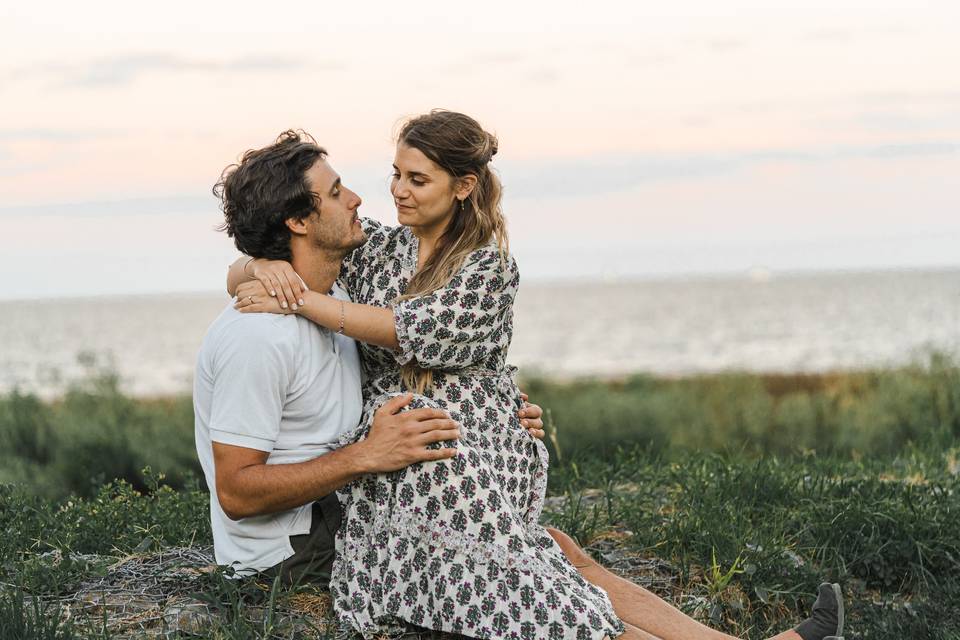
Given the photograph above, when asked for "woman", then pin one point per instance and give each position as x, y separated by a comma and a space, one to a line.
452, 545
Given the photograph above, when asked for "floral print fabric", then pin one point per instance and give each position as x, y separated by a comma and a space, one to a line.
454, 545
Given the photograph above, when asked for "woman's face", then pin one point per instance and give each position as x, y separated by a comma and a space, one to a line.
425, 194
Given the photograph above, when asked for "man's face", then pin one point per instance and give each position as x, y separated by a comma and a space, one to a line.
336, 227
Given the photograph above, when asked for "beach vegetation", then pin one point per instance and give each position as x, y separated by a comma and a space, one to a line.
733, 496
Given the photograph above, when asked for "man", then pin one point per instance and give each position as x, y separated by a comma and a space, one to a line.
274, 394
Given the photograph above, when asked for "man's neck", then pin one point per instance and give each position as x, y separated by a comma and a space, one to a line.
318, 269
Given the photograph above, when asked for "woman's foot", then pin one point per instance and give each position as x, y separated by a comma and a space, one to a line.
826, 621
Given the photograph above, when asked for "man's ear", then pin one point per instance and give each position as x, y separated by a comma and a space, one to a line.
465, 186
297, 226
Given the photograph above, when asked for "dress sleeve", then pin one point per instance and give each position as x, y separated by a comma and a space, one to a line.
355, 263
461, 324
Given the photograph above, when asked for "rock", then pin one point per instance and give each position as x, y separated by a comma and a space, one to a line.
188, 617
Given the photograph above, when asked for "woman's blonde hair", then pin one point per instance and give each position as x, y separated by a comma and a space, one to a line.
459, 145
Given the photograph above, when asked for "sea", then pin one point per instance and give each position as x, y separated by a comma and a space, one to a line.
759, 322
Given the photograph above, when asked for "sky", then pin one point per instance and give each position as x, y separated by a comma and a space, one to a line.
637, 139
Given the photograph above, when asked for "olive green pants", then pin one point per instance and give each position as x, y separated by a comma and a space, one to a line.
312, 560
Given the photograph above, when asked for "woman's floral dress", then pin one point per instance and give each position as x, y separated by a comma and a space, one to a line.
454, 545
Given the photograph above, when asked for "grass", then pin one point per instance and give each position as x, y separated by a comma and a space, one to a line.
748, 539
754, 537
850, 413
753, 489
92, 435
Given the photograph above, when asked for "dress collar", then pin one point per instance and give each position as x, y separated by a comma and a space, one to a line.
411, 255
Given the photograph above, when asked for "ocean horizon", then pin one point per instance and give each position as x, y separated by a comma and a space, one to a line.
799, 322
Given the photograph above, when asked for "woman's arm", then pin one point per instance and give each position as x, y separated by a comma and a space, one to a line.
458, 316
462, 323
362, 322
453, 327
276, 276
237, 273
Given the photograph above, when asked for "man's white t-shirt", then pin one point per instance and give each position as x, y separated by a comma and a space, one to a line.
279, 384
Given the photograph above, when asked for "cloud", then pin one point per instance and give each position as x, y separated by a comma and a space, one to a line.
909, 98
649, 59
921, 149
35, 134
600, 175
484, 60
124, 69
829, 35
594, 175
723, 45
9, 169
133, 206
542, 76
907, 121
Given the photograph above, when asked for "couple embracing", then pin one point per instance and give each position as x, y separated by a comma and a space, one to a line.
358, 424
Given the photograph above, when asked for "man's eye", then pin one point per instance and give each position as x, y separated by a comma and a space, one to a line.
396, 176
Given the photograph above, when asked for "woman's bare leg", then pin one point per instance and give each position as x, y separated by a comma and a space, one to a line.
633, 633
638, 606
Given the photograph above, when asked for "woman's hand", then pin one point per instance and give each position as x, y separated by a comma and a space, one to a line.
253, 297
531, 417
279, 280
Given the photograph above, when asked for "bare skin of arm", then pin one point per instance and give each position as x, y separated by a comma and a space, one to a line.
277, 277
247, 486
249, 279
363, 322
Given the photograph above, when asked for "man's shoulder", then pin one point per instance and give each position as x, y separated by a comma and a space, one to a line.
257, 332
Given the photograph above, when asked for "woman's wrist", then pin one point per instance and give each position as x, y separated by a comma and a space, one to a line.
310, 302
321, 309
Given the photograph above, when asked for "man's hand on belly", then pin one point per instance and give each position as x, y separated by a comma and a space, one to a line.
400, 438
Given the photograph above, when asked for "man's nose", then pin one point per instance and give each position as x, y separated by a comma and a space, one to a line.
357, 201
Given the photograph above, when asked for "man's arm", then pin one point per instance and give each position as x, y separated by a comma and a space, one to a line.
247, 486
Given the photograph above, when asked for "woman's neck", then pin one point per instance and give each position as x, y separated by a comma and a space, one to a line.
427, 240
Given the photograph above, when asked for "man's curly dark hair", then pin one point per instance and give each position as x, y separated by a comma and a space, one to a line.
267, 187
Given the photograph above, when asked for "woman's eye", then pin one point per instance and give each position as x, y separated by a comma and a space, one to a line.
414, 181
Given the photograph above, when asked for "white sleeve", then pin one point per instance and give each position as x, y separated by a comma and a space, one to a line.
250, 382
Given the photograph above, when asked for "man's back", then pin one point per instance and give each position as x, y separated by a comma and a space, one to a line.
278, 384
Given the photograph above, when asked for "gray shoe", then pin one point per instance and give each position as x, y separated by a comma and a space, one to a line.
826, 620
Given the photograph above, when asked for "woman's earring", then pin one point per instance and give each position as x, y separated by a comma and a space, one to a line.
462, 205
